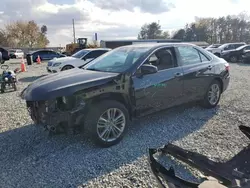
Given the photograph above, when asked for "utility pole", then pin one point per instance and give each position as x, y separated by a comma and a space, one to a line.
74, 33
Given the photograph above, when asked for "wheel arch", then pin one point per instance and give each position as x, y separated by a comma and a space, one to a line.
67, 66
119, 97
221, 83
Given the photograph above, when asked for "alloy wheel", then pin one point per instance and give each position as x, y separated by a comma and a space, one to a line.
214, 94
111, 124
233, 59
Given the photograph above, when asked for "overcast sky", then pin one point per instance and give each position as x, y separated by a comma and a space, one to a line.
112, 19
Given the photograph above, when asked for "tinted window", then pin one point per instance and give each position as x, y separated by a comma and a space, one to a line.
94, 54
42, 52
203, 57
247, 48
238, 45
52, 53
229, 47
189, 55
162, 58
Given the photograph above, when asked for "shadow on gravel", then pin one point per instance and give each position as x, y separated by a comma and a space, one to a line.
244, 64
29, 158
30, 79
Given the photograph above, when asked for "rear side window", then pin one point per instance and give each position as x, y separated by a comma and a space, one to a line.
189, 55
203, 57
230, 47
247, 48
238, 45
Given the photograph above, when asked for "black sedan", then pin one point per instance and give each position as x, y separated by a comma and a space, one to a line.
45, 55
123, 84
234, 56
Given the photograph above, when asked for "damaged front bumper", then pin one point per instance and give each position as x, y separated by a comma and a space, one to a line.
226, 175
60, 114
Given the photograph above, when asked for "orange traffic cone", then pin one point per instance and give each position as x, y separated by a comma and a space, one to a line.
38, 60
23, 67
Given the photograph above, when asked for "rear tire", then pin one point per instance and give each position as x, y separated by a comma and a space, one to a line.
213, 94
67, 67
233, 59
98, 125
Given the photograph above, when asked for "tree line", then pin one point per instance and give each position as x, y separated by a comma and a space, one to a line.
26, 34
231, 28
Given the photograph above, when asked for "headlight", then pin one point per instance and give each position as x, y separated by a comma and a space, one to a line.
56, 64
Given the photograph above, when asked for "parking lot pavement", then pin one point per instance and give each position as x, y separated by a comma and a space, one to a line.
29, 158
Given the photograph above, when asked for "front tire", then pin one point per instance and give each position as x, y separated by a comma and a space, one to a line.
67, 67
213, 95
106, 123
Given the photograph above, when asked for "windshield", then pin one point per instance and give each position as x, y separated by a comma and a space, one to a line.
118, 60
80, 54
241, 47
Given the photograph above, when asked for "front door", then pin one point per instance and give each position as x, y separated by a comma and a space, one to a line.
157, 91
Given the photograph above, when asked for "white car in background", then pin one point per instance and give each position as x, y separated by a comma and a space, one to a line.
78, 59
16, 53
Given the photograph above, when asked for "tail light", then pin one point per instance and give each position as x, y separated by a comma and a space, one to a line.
227, 67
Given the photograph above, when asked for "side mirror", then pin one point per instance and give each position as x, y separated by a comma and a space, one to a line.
84, 58
148, 69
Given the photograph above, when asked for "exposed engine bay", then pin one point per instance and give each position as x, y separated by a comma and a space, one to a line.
62, 114
232, 174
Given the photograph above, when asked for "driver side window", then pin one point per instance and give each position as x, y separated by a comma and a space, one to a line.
162, 59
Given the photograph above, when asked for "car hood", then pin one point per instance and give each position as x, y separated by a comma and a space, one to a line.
64, 84
63, 59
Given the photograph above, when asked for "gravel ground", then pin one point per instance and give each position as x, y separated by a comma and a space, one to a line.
29, 158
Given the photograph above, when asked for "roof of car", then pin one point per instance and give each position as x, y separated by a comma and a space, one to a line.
31, 52
93, 49
153, 45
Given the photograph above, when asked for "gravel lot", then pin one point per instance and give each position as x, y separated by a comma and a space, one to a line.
29, 158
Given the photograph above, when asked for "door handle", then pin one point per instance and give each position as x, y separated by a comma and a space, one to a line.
178, 74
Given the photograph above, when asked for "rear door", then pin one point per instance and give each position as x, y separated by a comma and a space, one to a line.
198, 72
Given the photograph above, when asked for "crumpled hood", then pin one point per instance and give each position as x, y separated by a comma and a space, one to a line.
64, 83
63, 59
